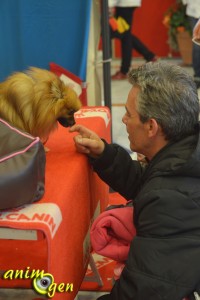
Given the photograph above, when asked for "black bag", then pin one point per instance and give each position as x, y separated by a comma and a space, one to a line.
22, 167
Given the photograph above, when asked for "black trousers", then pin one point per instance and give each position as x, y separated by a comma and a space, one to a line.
128, 40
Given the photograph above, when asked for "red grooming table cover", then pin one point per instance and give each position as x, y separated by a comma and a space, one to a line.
53, 234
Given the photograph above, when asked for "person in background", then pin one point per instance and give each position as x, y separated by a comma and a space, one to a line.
196, 31
125, 10
161, 119
193, 13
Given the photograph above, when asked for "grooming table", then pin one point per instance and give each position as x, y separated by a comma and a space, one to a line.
53, 233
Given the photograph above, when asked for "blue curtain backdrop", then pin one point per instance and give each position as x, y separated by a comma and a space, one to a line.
34, 33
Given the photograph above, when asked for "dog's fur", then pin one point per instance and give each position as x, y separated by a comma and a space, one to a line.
35, 100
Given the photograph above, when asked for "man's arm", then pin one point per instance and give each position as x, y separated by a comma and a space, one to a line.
112, 163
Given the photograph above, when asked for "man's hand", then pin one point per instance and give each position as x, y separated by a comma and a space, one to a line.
87, 141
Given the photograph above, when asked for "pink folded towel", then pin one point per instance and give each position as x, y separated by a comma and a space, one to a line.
112, 232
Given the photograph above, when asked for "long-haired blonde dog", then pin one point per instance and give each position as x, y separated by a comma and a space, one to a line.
35, 100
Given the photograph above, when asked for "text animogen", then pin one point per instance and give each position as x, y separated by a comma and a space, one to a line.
43, 283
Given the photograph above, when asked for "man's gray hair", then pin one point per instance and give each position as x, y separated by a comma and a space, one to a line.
167, 94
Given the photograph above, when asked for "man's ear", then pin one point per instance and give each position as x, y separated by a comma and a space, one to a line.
153, 128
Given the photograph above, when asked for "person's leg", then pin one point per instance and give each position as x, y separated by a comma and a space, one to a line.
115, 34
195, 56
142, 49
126, 39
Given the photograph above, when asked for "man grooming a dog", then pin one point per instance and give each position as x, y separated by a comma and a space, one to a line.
161, 118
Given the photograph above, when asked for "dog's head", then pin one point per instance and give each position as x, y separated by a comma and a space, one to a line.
66, 105
64, 100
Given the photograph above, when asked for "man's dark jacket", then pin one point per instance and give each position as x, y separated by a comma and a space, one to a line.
164, 257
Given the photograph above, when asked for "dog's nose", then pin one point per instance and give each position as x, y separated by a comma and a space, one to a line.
71, 121
66, 122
